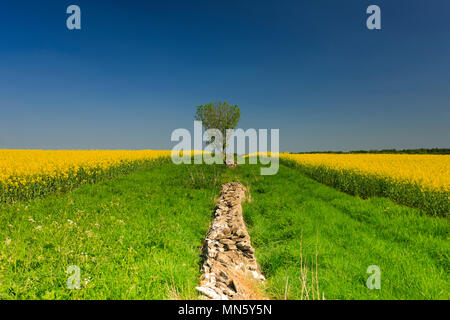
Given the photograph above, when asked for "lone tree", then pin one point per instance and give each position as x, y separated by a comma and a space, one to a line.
220, 116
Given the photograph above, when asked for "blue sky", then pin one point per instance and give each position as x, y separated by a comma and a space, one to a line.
137, 69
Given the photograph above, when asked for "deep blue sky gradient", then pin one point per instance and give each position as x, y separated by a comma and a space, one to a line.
137, 69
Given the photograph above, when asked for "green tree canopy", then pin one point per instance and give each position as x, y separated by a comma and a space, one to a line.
220, 116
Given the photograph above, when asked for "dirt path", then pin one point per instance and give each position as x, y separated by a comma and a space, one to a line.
230, 270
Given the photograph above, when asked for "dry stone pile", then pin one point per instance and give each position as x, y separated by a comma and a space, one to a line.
230, 270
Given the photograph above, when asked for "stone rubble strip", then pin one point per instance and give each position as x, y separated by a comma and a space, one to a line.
230, 270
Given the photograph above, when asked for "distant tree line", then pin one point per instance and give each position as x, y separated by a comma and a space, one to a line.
402, 151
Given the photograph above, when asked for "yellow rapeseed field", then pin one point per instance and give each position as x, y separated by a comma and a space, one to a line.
420, 181
22, 170
428, 171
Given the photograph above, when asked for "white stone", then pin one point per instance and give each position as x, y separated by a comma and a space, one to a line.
208, 292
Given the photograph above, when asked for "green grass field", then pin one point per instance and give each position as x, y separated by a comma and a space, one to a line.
138, 236
349, 233
134, 237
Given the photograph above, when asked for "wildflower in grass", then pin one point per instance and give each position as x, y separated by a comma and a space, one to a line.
89, 234
87, 280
